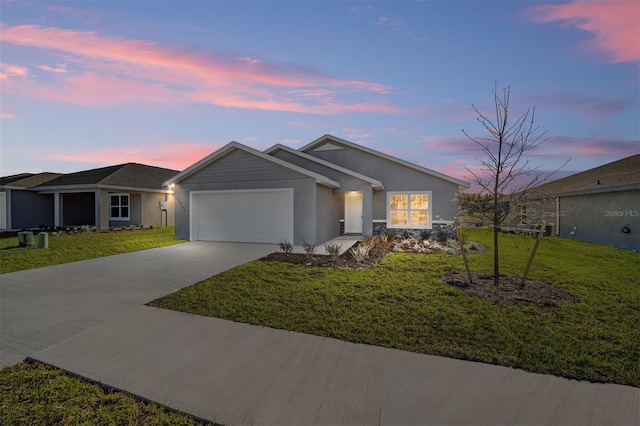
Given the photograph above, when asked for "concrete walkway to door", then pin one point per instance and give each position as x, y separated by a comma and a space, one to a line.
41, 307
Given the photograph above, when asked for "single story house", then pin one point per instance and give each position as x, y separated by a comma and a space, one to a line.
600, 205
313, 194
114, 196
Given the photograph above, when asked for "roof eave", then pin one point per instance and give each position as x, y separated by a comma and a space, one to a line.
375, 184
322, 180
385, 156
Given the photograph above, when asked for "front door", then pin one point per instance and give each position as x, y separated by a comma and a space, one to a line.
353, 213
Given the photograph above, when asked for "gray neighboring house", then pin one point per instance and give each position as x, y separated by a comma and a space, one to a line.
320, 191
114, 196
600, 205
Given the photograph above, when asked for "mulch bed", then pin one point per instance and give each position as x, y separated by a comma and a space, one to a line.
345, 260
510, 289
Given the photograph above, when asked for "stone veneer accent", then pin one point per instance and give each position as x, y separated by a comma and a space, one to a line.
439, 230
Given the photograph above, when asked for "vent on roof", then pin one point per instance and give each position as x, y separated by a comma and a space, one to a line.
328, 147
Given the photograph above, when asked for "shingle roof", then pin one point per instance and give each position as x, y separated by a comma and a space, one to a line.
28, 180
127, 175
619, 173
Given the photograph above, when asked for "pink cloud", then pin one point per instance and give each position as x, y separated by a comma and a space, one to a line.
615, 25
146, 68
177, 156
8, 70
6, 113
60, 69
98, 90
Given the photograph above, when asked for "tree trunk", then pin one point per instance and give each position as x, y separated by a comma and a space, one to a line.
533, 253
461, 241
496, 262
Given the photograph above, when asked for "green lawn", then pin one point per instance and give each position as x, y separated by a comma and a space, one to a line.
404, 304
36, 394
64, 248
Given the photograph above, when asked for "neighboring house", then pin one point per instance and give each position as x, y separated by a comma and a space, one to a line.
115, 196
600, 205
328, 187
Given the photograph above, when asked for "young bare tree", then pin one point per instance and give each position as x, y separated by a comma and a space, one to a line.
504, 174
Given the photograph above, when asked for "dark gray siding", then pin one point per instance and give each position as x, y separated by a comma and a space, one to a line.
599, 218
30, 210
395, 177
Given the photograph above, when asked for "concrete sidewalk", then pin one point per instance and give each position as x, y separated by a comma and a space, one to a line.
234, 373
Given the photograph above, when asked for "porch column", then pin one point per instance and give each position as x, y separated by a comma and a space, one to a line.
57, 209
102, 209
96, 209
367, 211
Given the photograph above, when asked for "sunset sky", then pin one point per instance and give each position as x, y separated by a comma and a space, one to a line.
165, 83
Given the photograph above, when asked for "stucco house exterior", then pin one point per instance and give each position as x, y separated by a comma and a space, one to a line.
327, 188
114, 196
600, 205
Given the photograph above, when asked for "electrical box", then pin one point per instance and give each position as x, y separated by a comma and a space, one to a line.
164, 205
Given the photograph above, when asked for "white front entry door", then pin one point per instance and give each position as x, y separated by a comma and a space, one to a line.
353, 213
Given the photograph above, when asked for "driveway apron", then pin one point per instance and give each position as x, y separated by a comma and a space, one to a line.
41, 307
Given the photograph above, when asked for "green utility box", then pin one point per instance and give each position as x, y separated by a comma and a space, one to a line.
43, 240
25, 239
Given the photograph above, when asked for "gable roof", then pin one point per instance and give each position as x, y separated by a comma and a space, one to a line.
618, 175
131, 175
27, 180
376, 184
232, 146
335, 140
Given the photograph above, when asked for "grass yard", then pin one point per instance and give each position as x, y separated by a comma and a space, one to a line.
36, 394
403, 303
64, 248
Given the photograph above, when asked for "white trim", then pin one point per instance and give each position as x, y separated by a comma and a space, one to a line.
409, 226
325, 138
376, 184
230, 147
379, 221
92, 186
128, 206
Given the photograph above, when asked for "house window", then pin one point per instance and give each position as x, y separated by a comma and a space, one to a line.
408, 209
119, 207
522, 214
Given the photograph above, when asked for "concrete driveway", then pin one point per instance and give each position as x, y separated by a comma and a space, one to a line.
41, 307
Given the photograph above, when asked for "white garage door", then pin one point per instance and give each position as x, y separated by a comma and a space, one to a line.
255, 216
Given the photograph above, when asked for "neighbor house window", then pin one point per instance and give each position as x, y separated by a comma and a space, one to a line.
408, 209
119, 206
522, 214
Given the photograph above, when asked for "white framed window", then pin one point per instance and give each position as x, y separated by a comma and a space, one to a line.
119, 207
409, 209
522, 214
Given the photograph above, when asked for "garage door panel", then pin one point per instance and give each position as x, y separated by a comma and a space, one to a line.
263, 216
